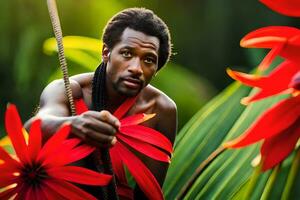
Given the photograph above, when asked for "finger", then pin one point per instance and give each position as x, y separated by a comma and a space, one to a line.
95, 143
99, 137
100, 126
107, 117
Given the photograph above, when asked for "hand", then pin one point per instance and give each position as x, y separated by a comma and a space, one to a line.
96, 128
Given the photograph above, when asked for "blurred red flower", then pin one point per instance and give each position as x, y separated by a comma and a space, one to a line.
286, 7
43, 172
278, 81
278, 127
283, 41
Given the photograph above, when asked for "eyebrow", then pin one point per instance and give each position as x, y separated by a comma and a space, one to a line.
147, 53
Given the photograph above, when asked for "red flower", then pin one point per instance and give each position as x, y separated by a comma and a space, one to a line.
295, 82
278, 81
278, 127
141, 138
285, 7
43, 172
283, 41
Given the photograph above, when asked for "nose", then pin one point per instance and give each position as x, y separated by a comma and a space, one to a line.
135, 67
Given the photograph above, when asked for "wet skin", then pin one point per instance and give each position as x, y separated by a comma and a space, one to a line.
131, 64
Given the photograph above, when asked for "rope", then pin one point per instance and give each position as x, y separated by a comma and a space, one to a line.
52, 8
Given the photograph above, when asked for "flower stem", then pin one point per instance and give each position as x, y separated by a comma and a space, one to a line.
291, 176
198, 171
270, 183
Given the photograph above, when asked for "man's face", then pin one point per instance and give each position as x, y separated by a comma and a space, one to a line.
132, 62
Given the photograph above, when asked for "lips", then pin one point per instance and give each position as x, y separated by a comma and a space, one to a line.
132, 83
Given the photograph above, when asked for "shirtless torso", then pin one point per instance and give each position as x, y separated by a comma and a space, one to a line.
131, 64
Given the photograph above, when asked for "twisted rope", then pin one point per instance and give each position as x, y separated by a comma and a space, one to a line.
111, 194
52, 8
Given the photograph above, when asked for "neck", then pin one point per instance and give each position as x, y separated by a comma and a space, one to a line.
114, 99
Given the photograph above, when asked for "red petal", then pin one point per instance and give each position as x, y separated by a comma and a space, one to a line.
123, 109
31, 194
14, 128
8, 160
68, 157
141, 173
6, 169
68, 190
277, 148
280, 77
7, 179
268, 37
117, 165
136, 119
275, 51
125, 192
7, 194
295, 82
51, 194
80, 106
291, 50
22, 188
145, 148
148, 135
270, 123
35, 139
79, 175
55, 141
61, 151
285, 7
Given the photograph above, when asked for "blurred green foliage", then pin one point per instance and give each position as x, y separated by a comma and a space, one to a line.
205, 35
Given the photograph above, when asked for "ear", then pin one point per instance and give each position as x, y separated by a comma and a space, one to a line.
105, 53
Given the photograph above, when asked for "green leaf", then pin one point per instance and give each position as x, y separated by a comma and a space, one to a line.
230, 174
202, 135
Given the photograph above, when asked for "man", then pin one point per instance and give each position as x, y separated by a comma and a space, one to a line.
136, 45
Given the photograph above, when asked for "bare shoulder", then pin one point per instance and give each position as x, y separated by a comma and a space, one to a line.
55, 91
54, 100
163, 102
166, 112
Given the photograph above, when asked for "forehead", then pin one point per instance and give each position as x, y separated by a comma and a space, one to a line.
135, 38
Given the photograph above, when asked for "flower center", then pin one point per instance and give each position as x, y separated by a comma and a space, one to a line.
33, 174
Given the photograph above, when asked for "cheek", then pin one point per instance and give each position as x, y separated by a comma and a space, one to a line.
114, 68
149, 73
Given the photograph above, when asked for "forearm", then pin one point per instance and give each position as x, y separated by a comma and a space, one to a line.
50, 124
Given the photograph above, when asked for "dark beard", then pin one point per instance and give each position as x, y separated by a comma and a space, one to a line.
121, 90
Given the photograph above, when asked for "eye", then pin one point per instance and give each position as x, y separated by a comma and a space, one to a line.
126, 54
149, 60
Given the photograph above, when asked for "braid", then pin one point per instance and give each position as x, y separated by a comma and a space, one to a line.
101, 156
99, 95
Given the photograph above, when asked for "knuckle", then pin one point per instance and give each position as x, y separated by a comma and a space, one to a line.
104, 115
85, 114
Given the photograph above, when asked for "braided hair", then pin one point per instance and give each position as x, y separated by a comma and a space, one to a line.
101, 157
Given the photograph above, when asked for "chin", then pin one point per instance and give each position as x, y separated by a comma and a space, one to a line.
125, 91
128, 93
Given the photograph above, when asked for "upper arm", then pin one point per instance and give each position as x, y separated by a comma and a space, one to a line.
166, 116
53, 100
